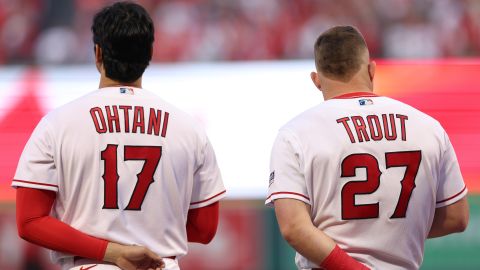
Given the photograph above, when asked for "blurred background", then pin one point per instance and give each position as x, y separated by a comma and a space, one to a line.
241, 67
225, 30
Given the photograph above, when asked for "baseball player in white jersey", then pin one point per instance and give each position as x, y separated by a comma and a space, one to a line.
128, 177
361, 181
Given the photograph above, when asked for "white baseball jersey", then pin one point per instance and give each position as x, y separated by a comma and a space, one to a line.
126, 165
373, 171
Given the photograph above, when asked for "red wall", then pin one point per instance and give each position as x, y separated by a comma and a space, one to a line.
448, 90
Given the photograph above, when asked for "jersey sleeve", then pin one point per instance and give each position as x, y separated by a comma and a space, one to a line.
451, 187
207, 181
287, 179
36, 167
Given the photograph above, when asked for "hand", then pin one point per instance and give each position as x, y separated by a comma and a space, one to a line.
133, 257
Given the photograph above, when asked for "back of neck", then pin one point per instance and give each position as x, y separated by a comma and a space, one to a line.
331, 93
107, 82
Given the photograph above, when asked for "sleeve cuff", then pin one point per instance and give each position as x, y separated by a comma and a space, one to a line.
208, 201
286, 195
31, 184
452, 199
102, 250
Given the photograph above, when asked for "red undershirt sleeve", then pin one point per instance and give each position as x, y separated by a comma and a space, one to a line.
340, 260
202, 223
36, 226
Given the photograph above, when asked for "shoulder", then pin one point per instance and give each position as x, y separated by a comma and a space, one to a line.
413, 112
174, 110
304, 120
184, 123
298, 127
185, 120
70, 108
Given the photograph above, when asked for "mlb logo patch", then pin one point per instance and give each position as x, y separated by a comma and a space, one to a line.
365, 101
127, 90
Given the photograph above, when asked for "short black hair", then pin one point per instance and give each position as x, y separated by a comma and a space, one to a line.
124, 31
338, 52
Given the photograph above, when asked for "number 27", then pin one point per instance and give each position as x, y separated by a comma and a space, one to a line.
410, 159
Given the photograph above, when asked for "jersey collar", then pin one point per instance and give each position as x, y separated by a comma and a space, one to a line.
356, 95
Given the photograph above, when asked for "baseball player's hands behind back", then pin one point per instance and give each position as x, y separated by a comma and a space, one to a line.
133, 257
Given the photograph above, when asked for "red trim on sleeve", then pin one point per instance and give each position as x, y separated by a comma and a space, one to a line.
36, 226
447, 199
35, 183
356, 95
286, 192
214, 196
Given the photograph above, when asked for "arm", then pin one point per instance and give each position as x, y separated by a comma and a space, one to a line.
202, 223
297, 228
36, 226
450, 219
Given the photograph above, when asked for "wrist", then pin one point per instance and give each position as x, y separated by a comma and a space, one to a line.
340, 260
112, 252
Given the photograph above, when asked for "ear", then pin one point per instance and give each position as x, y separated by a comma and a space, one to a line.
315, 80
371, 69
98, 54
98, 58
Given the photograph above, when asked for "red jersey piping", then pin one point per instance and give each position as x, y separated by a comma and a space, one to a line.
447, 199
35, 183
355, 95
286, 192
214, 196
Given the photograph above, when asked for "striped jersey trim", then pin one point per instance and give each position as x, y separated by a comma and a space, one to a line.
356, 95
206, 200
454, 196
34, 183
287, 192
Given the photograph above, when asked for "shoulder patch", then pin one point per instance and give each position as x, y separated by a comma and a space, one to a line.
272, 178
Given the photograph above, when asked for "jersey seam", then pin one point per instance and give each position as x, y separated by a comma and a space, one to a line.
50, 134
444, 144
53, 142
299, 146
295, 140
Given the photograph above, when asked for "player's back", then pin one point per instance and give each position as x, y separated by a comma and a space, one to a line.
373, 171
126, 163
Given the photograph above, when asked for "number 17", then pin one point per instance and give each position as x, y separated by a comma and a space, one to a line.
150, 154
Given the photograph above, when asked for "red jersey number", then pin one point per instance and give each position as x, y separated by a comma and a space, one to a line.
150, 154
350, 210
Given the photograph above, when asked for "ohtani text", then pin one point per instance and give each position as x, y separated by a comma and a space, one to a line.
373, 127
117, 118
